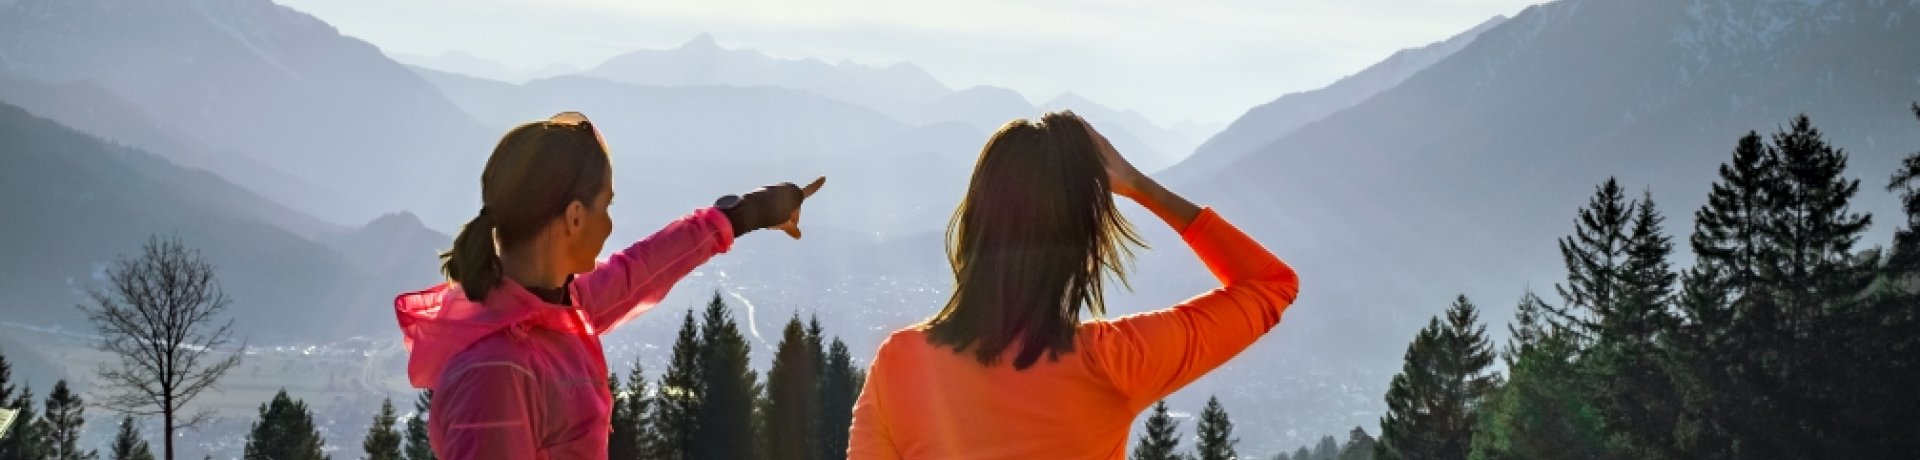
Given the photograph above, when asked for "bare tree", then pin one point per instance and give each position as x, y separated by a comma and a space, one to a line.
158, 313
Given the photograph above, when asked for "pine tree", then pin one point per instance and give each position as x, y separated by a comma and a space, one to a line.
730, 384
285, 431
1302, 454
762, 444
676, 413
383, 441
61, 424
816, 340
793, 395
127, 443
840, 386
826, 443
1776, 293
1215, 432
1412, 427
1359, 445
22, 425
637, 402
1326, 449
1628, 384
1820, 284
1161, 441
1886, 334
419, 447
1594, 256
622, 440
1647, 281
1725, 238
6, 379
1905, 257
1541, 411
27, 440
1431, 404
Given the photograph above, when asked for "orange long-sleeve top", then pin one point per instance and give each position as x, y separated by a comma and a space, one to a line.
923, 401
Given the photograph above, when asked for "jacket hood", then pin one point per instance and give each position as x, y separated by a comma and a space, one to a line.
440, 321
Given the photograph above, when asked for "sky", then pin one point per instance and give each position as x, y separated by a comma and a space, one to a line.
1205, 61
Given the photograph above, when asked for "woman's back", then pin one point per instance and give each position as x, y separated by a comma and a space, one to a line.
941, 404
924, 400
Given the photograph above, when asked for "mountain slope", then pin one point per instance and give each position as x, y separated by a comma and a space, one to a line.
254, 77
1273, 120
1479, 161
1460, 179
75, 203
100, 113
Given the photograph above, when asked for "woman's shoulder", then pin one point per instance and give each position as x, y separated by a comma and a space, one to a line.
909, 336
910, 340
1094, 330
496, 352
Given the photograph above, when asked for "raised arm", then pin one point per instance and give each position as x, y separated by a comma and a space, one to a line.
633, 280
1152, 354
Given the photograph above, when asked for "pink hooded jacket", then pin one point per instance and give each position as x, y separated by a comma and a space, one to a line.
517, 377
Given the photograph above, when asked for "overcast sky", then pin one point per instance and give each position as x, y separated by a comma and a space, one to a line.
1199, 60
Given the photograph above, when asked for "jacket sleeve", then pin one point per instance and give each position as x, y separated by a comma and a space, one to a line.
1152, 354
871, 436
486, 412
635, 279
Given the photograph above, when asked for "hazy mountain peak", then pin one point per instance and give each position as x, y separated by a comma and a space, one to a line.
900, 90
702, 42
1488, 24
993, 93
1068, 100
460, 54
909, 66
403, 220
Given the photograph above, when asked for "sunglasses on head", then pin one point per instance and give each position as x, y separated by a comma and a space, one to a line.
569, 118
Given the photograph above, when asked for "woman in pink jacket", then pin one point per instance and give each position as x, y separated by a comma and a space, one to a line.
510, 345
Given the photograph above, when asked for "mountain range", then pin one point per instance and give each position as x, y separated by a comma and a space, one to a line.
321, 175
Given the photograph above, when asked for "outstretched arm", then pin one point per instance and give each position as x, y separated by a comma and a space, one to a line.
633, 280
637, 278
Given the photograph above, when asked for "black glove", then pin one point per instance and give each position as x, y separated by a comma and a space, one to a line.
772, 206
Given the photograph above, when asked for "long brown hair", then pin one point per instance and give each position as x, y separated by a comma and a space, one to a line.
1031, 242
534, 173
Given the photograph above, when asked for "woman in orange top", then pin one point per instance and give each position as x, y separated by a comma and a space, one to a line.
1029, 246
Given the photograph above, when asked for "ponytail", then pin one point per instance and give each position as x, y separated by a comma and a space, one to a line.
533, 174
471, 263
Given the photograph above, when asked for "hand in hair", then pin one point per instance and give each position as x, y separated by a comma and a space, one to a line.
1121, 175
1128, 182
772, 206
